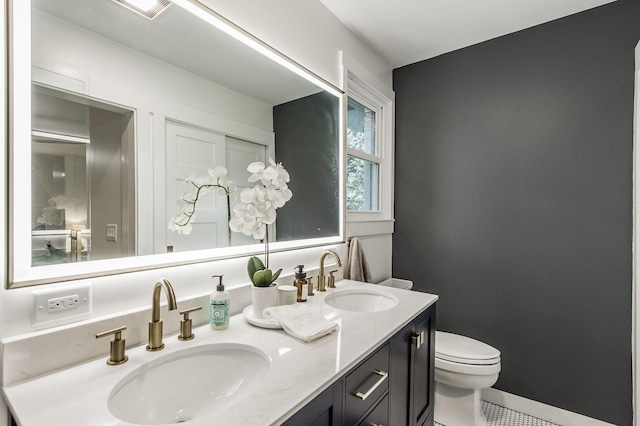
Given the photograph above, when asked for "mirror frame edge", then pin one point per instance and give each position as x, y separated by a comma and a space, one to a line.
18, 54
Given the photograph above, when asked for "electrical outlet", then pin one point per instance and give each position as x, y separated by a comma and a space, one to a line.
61, 303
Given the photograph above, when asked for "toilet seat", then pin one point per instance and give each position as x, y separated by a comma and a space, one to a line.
463, 368
455, 348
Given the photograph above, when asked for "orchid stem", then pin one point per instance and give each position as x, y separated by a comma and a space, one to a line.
266, 248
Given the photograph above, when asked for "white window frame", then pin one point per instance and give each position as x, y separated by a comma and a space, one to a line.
357, 89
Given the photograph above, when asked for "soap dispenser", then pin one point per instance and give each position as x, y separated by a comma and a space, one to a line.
301, 283
219, 308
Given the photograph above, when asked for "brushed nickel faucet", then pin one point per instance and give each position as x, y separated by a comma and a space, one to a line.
155, 325
321, 283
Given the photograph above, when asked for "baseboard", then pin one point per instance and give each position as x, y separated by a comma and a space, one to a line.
537, 409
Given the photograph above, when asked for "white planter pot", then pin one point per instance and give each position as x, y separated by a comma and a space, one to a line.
262, 298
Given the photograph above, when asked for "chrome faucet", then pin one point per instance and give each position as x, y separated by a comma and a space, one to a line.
321, 283
155, 325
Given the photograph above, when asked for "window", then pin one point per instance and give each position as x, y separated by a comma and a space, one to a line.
363, 164
369, 140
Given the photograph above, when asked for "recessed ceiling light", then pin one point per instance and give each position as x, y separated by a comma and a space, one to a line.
147, 8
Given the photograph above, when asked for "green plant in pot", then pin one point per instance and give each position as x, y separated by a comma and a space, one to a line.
260, 275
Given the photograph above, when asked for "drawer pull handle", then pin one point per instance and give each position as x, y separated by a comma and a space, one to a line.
418, 339
383, 376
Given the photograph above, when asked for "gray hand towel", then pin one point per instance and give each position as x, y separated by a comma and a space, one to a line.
357, 266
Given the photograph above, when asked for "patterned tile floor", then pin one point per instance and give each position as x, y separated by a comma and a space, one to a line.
501, 416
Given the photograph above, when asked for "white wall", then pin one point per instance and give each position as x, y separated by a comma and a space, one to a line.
123, 75
306, 32
302, 30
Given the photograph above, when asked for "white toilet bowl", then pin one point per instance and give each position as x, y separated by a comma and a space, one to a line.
463, 367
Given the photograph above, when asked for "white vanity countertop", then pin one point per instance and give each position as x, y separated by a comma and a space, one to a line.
299, 370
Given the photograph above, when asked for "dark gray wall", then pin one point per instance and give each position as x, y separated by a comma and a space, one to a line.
306, 143
513, 202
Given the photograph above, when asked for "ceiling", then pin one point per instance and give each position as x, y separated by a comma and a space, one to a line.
203, 50
408, 31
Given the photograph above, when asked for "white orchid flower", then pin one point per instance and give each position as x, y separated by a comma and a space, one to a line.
246, 195
256, 209
182, 206
216, 181
190, 178
189, 197
276, 175
175, 225
260, 232
256, 169
244, 218
218, 171
265, 213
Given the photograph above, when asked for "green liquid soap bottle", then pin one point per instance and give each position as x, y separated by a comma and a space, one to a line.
219, 307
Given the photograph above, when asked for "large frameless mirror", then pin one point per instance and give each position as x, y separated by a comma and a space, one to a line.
112, 115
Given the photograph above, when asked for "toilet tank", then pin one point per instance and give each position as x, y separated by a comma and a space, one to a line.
397, 283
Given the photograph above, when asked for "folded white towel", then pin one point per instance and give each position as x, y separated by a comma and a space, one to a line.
301, 321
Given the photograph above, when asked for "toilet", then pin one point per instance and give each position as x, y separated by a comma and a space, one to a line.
463, 367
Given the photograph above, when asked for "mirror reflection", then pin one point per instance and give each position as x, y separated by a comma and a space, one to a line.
125, 107
80, 148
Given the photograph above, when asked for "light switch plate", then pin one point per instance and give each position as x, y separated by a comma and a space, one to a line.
112, 232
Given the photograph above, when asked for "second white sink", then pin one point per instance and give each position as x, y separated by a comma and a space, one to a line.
189, 384
361, 300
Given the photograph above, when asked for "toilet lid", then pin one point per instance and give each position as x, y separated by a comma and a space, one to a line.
462, 349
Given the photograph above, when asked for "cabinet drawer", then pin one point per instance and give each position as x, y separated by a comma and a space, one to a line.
379, 416
366, 384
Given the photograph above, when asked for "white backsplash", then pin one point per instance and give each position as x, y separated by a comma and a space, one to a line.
37, 352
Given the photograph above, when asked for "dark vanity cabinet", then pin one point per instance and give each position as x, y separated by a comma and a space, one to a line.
393, 386
324, 410
412, 367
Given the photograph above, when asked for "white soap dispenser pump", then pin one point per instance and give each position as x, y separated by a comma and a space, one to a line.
219, 308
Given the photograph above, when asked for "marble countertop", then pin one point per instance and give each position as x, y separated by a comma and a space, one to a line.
299, 371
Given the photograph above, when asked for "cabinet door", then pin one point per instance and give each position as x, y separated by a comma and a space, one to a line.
323, 410
399, 357
421, 375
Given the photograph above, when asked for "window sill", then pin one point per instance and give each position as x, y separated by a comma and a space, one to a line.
359, 228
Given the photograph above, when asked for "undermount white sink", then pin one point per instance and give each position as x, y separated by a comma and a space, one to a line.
361, 300
189, 384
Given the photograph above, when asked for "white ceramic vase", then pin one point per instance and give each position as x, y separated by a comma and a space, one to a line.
262, 298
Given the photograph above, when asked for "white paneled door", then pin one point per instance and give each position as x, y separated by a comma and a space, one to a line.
190, 149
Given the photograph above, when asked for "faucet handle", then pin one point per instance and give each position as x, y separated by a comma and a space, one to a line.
186, 332
116, 353
332, 279
310, 287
